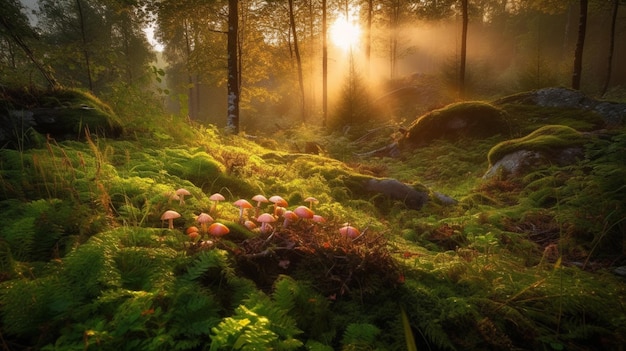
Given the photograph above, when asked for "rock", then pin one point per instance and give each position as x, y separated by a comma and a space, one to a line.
524, 161
59, 114
621, 271
456, 121
397, 190
548, 145
613, 113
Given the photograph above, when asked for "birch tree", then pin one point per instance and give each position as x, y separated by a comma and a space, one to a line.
232, 120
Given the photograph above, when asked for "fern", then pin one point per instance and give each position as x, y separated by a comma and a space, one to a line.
206, 260
259, 324
360, 336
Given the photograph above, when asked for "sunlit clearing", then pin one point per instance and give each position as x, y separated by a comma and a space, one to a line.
345, 34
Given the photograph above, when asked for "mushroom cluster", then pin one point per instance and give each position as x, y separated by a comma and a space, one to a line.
260, 221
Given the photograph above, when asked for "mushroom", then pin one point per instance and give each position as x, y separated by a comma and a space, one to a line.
311, 200
278, 202
218, 229
265, 219
204, 219
181, 193
318, 219
243, 204
192, 233
289, 216
349, 231
303, 212
217, 197
170, 215
259, 199
249, 224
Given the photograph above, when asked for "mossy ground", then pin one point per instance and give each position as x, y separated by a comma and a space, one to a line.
515, 264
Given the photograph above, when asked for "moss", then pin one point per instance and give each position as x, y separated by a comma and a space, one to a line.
547, 139
464, 120
527, 118
71, 111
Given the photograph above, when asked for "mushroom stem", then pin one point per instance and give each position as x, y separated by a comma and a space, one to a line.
241, 215
171, 223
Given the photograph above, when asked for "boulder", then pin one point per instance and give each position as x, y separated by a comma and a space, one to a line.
27, 117
613, 113
548, 145
458, 120
396, 190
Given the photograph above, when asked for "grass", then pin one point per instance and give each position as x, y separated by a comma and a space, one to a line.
517, 263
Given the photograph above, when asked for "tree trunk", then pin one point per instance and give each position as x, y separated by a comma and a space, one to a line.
324, 64
190, 82
465, 20
232, 122
580, 44
292, 22
83, 35
609, 65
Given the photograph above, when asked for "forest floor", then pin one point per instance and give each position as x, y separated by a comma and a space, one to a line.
519, 261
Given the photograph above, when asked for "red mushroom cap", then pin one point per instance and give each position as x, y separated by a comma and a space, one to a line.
349, 231
192, 229
218, 229
249, 224
204, 218
319, 219
217, 197
259, 198
266, 218
279, 201
290, 215
170, 214
242, 203
303, 212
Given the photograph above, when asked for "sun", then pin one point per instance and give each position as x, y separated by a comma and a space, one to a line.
345, 34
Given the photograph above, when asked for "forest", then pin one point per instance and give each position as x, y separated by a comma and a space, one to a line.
312, 175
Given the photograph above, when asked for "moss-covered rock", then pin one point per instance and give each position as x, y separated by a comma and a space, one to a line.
459, 120
551, 144
61, 114
612, 113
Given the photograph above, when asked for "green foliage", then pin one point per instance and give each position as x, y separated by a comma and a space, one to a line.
359, 336
353, 111
85, 262
257, 324
39, 230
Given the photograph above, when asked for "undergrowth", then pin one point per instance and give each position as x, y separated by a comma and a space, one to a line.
515, 263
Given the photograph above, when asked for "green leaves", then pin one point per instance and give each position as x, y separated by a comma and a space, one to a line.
257, 324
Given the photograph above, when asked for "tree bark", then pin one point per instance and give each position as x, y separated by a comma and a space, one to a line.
580, 44
83, 35
232, 122
609, 64
292, 22
465, 20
